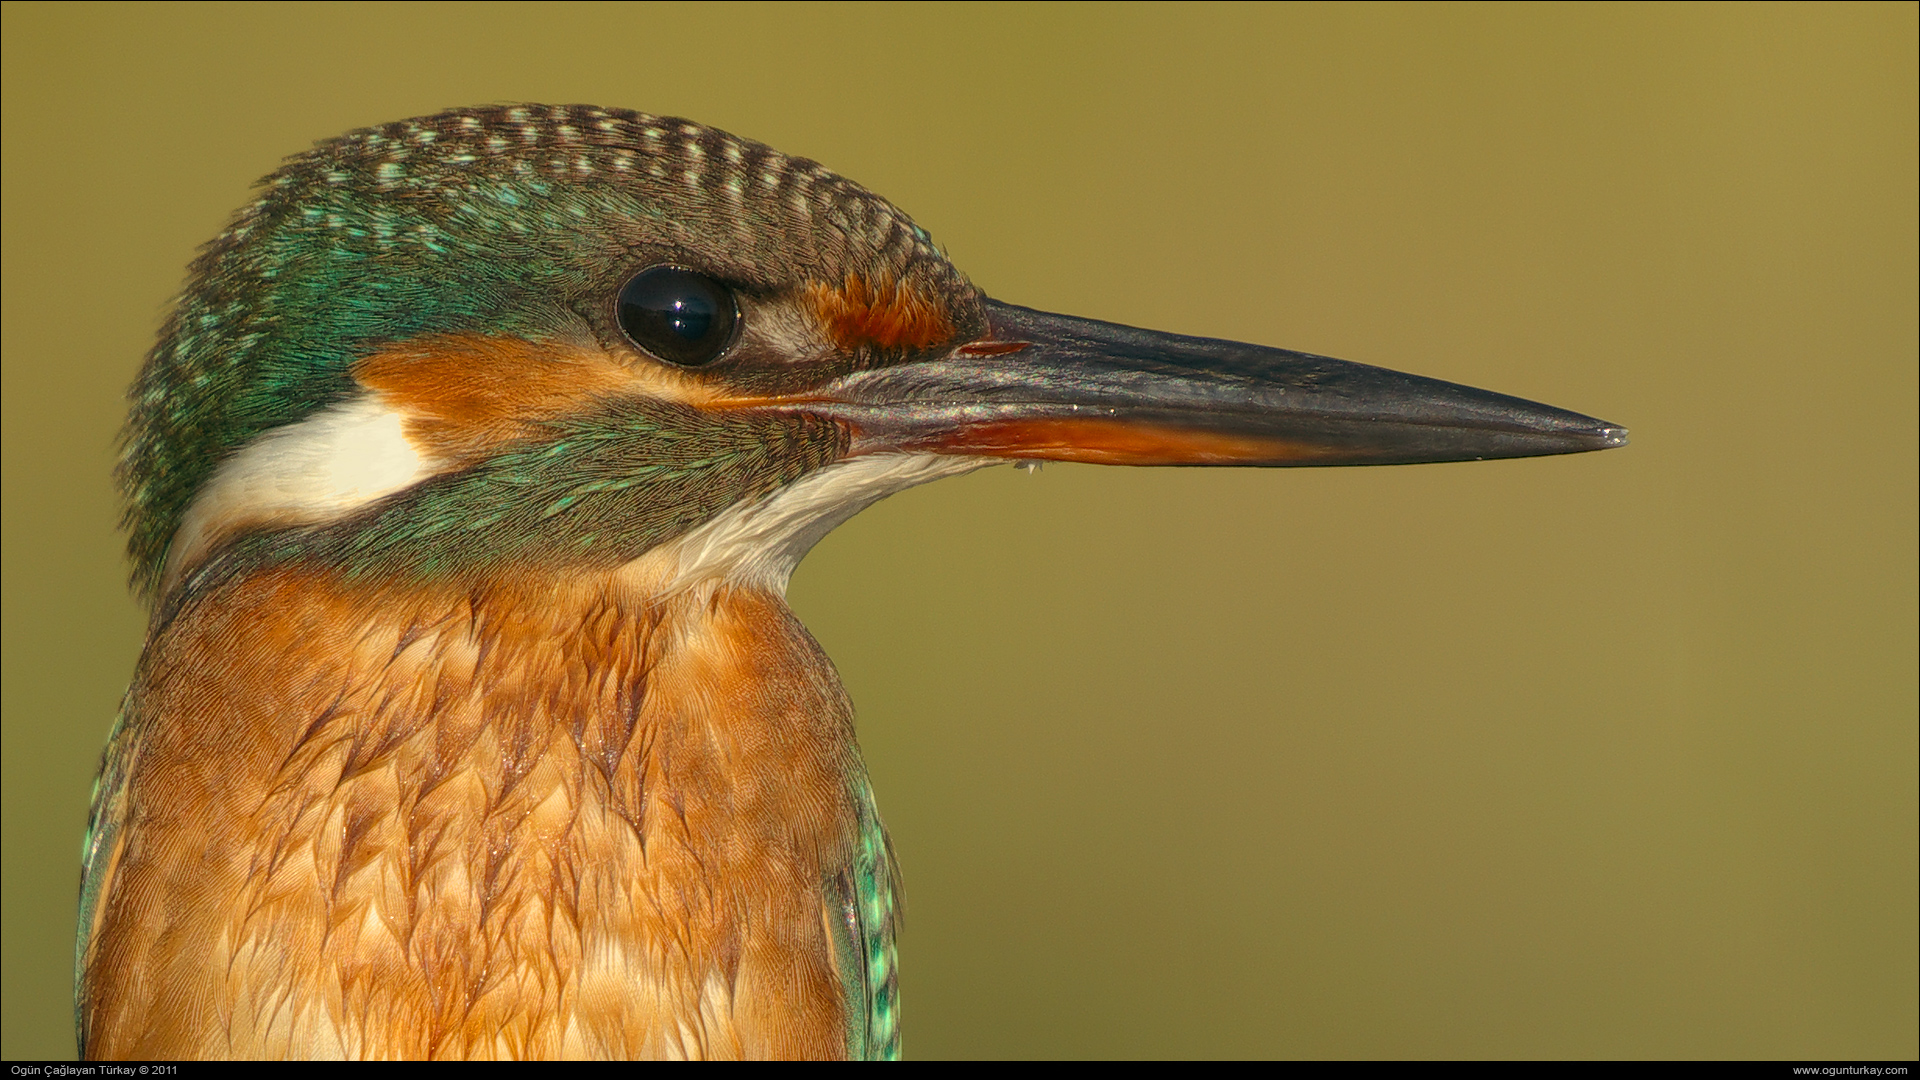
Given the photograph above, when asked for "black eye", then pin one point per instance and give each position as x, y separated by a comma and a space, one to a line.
678, 315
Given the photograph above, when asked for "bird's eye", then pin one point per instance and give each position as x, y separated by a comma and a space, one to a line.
677, 315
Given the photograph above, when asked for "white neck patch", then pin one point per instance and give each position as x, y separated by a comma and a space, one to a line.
333, 462
351, 454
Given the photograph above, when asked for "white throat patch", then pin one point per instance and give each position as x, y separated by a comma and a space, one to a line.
759, 543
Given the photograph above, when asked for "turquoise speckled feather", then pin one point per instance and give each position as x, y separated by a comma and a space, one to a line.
866, 896
98, 848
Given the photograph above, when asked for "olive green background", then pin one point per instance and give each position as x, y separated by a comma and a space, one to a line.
1609, 755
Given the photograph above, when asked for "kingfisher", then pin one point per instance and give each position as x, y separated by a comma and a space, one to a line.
464, 483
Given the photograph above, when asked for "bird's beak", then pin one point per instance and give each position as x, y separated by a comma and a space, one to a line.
1058, 388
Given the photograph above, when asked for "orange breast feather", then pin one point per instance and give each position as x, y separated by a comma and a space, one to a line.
537, 822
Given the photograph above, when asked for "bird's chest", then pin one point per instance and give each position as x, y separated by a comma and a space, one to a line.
552, 825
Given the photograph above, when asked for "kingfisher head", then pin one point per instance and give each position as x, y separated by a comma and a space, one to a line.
538, 339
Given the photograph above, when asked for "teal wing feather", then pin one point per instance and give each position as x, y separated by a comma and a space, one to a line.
100, 852
865, 910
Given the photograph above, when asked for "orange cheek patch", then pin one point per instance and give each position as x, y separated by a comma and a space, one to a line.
883, 313
465, 395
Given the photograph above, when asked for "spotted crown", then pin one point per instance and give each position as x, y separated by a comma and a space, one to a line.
501, 219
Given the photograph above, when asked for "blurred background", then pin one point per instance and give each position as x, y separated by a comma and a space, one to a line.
1611, 755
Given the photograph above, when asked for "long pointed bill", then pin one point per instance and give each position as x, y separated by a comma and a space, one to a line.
1064, 389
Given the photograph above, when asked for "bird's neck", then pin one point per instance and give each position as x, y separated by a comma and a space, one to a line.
535, 818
